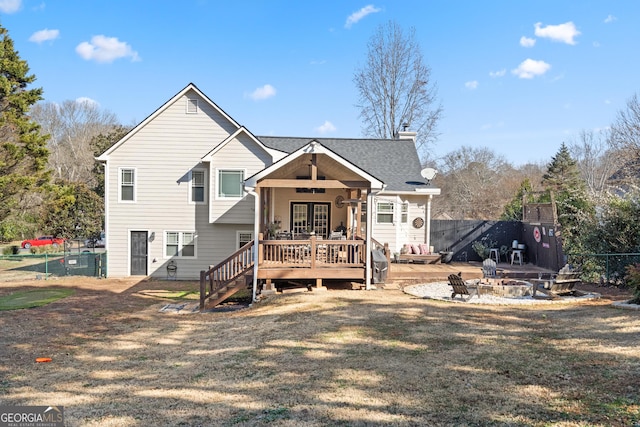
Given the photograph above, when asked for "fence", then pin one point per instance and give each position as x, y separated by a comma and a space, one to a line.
43, 266
605, 268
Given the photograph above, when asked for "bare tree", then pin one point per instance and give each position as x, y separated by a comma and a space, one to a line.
625, 137
72, 125
395, 88
476, 183
596, 161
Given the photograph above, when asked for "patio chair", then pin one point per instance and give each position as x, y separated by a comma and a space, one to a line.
489, 268
460, 287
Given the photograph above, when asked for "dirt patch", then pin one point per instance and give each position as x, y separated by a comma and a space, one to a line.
338, 357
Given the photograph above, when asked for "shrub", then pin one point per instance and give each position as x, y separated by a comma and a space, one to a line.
632, 278
482, 248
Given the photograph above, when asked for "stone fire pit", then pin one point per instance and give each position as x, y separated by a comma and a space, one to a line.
505, 288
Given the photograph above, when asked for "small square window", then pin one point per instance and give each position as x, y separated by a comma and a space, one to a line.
230, 183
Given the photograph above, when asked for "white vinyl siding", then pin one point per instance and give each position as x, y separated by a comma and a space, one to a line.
230, 183
180, 244
384, 212
127, 185
164, 151
198, 186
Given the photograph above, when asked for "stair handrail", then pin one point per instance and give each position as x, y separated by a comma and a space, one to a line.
217, 277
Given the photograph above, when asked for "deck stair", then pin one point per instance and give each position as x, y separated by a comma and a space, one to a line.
226, 278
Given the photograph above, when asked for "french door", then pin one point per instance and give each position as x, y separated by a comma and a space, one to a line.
310, 216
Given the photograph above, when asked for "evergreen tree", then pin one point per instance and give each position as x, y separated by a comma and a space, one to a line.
513, 209
23, 152
575, 210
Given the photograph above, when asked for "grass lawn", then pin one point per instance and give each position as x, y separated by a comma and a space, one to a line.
345, 358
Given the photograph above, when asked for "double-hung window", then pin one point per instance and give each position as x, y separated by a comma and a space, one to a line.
198, 187
180, 244
230, 183
384, 212
127, 178
244, 237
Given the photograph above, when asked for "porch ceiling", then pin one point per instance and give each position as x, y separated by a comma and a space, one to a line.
327, 167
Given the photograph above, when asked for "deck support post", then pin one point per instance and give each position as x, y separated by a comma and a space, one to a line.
319, 286
268, 288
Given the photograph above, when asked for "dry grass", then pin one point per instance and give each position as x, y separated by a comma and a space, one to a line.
325, 358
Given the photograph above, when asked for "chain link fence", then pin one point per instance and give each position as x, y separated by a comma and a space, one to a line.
42, 266
606, 269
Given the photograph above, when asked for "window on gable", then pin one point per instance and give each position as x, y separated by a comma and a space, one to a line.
230, 183
384, 213
198, 187
192, 106
180, 244
127, 185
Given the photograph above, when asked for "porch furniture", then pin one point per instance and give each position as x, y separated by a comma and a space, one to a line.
424, 259
494, 252
460, 287
336, 235
488, 268
516, 253
563, 282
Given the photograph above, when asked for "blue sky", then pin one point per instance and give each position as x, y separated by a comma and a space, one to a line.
518, 77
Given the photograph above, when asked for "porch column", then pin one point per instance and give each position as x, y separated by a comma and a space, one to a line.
367, 266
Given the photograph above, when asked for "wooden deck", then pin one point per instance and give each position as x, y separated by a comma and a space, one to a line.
402, 274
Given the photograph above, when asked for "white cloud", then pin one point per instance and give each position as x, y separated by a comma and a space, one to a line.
10, 6
355, 17
326, 127
85, 100
264, 92
609, 19
564, 33
44, 35
499, 73
530, 68
320, 62
106, 49
527, 42
473, 84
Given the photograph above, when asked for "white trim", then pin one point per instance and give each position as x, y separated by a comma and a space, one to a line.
107, 194
180, 244
217, 183
204, 190
275, 154
135, 184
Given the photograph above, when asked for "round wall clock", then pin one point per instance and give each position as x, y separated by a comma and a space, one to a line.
418, 222
339, 201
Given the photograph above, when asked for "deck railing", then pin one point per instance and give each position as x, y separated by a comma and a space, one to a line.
312, 253
219, 276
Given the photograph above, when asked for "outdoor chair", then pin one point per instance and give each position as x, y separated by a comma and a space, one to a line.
488, 268
460, 287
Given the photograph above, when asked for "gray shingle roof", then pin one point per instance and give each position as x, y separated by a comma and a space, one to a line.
394, 162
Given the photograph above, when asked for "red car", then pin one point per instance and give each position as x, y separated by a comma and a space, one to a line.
43, 241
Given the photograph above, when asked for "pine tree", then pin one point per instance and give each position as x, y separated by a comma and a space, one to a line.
23, 151
572, 203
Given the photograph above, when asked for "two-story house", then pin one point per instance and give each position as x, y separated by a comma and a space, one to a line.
190, 186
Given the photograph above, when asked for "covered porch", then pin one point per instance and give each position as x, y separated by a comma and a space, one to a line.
311, 219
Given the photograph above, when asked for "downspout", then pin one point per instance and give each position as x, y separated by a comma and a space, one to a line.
256, 241
427, 238
367, 273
